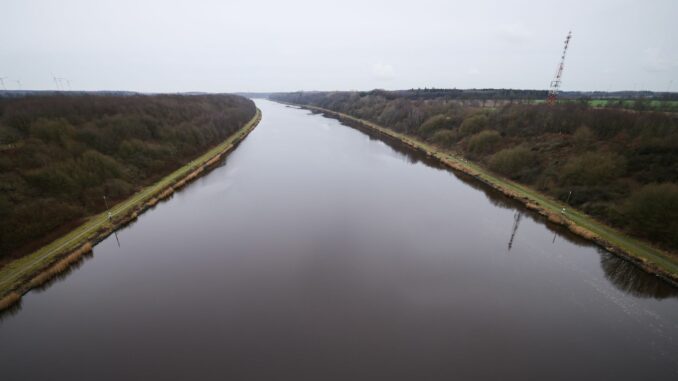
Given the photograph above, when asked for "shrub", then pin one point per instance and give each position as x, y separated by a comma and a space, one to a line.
512, 162
444, 138
653, 212
8, 135
583, 137
52, 180
48, 130
484, 141
593, 168
435, 123
473, 124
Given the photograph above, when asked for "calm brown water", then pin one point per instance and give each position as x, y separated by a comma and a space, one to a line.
318, 253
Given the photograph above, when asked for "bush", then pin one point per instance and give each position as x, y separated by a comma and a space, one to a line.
117, 188
52, 180
583, 137
484, 141
444, 138
593, 168
652, 211
36, 217
8, 135
473, 124
512, 162
51, 131
435, 123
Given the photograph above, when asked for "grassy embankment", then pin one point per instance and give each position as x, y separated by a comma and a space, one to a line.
639, 252
19, 276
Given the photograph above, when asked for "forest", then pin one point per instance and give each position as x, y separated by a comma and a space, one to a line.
619, 166
61, 154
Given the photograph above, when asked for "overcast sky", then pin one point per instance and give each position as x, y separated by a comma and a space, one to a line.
268, 45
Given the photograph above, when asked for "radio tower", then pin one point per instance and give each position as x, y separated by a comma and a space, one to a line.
555, 83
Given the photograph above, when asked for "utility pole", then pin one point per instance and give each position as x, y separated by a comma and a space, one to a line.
554, 88
567, 202
110, 216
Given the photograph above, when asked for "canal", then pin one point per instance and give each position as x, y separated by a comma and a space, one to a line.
317, 252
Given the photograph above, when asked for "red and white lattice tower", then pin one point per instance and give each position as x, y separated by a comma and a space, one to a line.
555, 83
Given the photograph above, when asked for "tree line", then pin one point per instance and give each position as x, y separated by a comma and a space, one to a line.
60, 154
618, 166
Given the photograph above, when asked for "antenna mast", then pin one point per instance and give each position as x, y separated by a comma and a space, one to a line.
555, 83
62, 83
56, 82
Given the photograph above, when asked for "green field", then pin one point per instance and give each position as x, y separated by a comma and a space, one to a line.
14, 274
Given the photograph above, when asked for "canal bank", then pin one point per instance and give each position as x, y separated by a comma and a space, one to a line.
36, 269
642, 254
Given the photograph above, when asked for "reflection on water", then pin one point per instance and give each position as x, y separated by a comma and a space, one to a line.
116, 238
410, 154
625, 276
516, 222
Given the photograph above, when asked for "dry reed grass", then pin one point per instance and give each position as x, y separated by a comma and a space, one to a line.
60, 266
556, 219
578, 230
9, 300
166, 193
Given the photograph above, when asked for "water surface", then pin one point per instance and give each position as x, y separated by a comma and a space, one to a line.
316, 252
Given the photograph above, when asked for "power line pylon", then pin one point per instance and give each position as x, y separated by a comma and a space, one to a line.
555, 83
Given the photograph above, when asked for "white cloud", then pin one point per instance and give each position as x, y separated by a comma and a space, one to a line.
473, 71
383, 71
